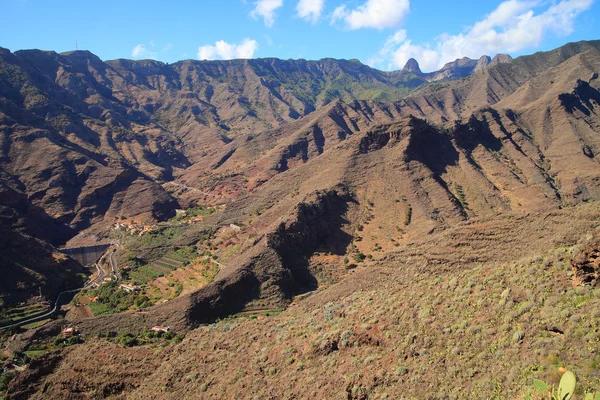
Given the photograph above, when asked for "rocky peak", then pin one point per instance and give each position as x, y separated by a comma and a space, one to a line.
501, 58
482, 63
412, 66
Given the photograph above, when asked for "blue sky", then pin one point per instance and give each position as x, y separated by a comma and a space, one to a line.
381, 33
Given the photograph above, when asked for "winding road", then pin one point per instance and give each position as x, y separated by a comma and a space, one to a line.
113, 265
99, 279
45, 315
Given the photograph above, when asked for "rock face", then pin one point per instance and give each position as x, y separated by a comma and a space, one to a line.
482, 63
586, 264
501, 58
412, 66
461, 68
112, 133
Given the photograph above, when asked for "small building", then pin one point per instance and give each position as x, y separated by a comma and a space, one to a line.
130, 288
68, 332
94, 299
160, 328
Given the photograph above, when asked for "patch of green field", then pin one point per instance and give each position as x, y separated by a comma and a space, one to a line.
171, 262
36, 324
34, 353
14, 314
157, 267
145, 273
100, 309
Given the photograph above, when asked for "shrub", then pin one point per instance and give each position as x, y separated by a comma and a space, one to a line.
359, 257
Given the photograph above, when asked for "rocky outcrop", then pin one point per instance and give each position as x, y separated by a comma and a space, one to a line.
586, 264
501, 59
482, 63
278, 268
412, 66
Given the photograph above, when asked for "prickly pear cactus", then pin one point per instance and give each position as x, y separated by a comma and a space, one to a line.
566, 387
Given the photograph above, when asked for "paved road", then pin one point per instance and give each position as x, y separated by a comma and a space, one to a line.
101, 274
113, 265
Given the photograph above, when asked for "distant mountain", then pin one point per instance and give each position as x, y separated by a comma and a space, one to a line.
109, 131
460, 68
85, 142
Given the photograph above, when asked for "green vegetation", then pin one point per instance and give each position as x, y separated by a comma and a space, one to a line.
460, 195
100, 309
160, 242
407, 215
5, 379
359, 257
35, 324
141, 274
193, 212
144, 273
121, 134
229, 251
17, 313
17, 87
34, 353
112, 298
184, 254
565, 391
60, 122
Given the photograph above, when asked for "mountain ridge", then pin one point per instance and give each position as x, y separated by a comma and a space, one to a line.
113, 134
311, 204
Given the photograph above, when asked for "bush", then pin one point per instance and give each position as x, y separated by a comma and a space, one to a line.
141, 300
128, 340
5, 380
359, 257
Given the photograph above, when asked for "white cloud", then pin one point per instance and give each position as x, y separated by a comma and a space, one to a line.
141, 51
310, 10
225, 51
377, 14
513, 26
167, 47
266, 10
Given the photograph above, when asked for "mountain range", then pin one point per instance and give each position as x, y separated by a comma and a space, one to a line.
369, 205
113, 133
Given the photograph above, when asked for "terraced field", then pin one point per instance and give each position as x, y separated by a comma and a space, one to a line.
156, 269
22, 312
184, 279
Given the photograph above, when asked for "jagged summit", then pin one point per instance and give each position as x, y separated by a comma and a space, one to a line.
482, 63
412, 66
501, 58
459, 68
